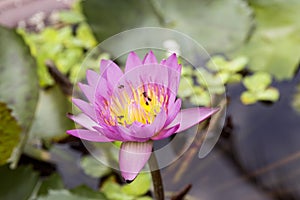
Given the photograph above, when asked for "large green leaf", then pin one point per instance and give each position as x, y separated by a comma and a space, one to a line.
9, 133
50, 118
93, 167
218, 25
87, 192
63, 194
274, 46
18, 77
139, 186
53, 182
17, 184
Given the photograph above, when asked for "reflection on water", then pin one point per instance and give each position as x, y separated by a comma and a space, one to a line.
259, 160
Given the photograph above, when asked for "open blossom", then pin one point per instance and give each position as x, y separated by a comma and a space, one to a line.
137, 107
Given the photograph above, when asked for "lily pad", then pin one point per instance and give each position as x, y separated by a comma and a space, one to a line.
50, 118
18, 77
217, 25
53, 182
65, 195
258, 81
87, 192
259, 89
133, 191
274, 46
93, 167
9, 133
139, 186
19, 183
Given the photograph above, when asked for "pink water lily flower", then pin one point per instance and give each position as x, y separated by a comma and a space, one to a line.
137, 107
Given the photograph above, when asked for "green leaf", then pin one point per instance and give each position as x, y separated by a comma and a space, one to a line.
53, 182
185, 87
87, 192
139, 186
237, 64
17, 184
93, 167
50, 118
113, 191
70, 16
9, 133
200, 98
212, 83
274, 47
18, 78
270, 94
258, 81
248, 97
63, 194
201, 20
235, 78
217, 63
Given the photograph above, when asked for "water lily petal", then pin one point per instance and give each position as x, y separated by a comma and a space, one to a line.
132, 61
150, 74
166, 133
113, 74
191, 116
174, 109
150, 58
92, 77
107, 83
83, 120
88, 91
128, 135
132, 158
110, 133
85, 107
89, 135
172, 62
105, 64
145, 131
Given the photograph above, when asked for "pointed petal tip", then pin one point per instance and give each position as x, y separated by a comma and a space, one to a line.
149, 58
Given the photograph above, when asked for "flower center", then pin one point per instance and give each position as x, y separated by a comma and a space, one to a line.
141, 105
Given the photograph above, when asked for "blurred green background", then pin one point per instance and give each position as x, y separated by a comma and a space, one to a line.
254, 47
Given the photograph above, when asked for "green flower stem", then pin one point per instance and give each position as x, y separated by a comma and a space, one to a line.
156, 178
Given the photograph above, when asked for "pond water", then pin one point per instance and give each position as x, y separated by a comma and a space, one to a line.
257, 156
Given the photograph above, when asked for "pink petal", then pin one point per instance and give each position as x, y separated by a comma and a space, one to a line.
145, 131
89, 135
84, 121
150, 58
150, 74
173, 111
105, 64
113, 74
110, 133
92, 77
88, 91
85, 107
132, 61
133, 157
166, 133
172, 62
108, 81
191, 116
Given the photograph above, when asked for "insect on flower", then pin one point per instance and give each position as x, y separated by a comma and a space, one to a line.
136, 107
